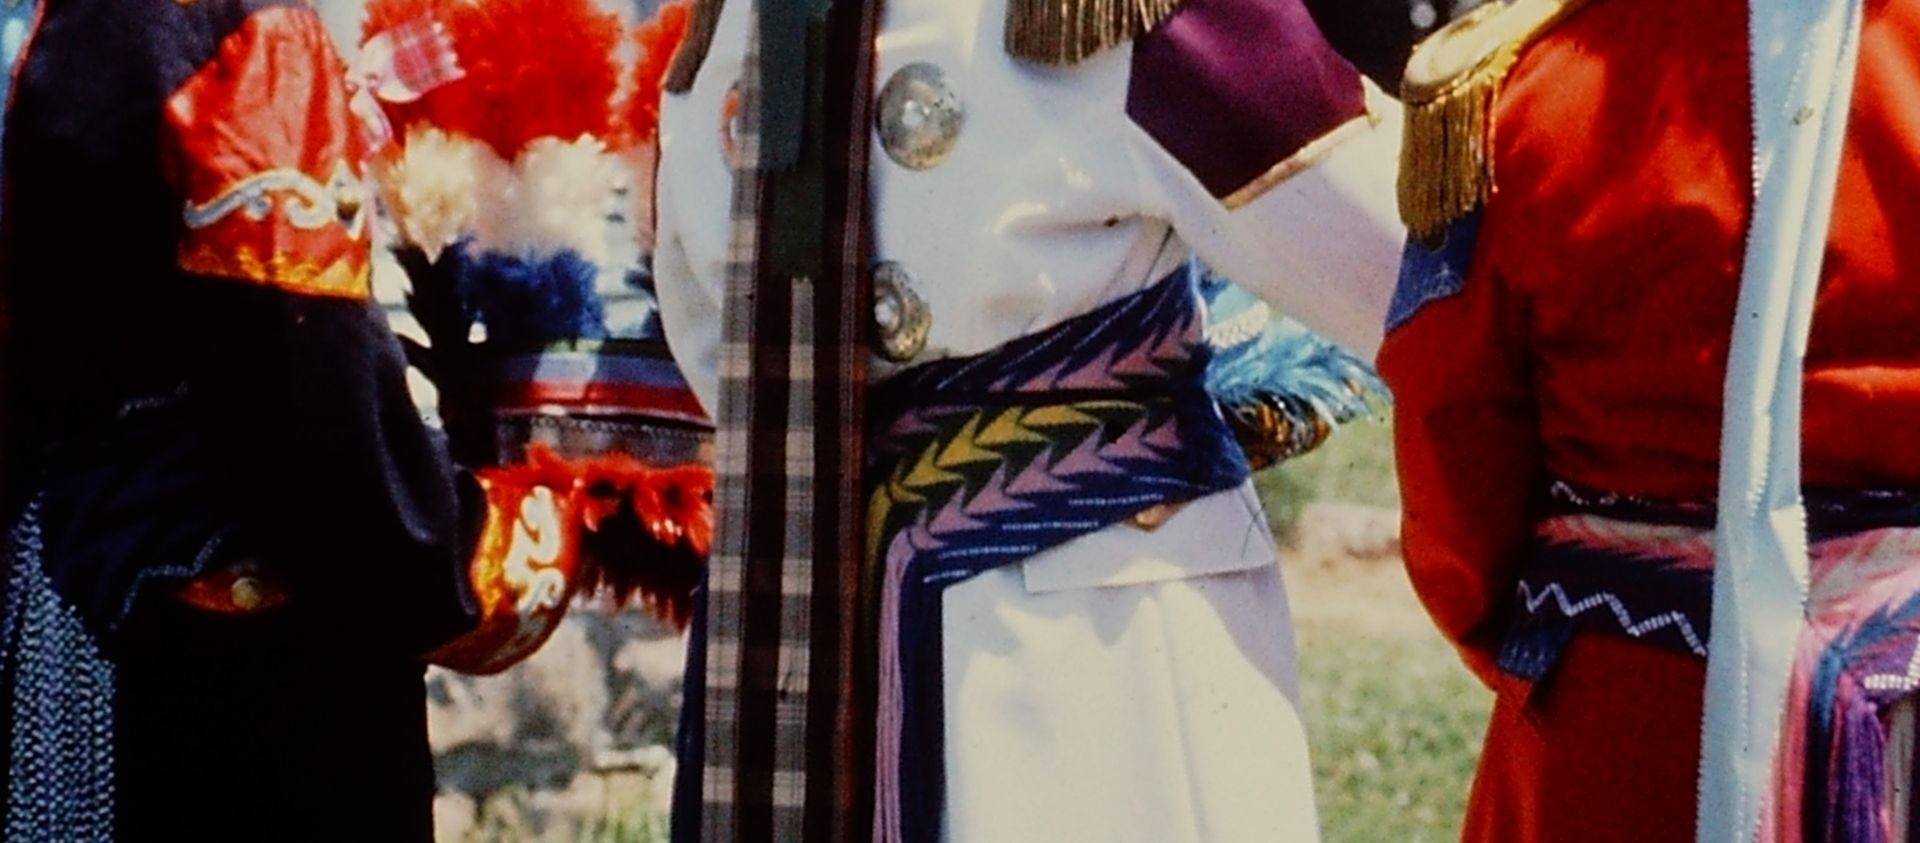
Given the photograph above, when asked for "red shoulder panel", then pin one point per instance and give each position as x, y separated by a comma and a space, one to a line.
261, 148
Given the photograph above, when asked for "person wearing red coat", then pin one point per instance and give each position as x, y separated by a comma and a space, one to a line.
1557, 351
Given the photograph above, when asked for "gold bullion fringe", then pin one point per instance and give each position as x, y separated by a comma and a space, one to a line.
1445, 171
1446, 164
1063, 32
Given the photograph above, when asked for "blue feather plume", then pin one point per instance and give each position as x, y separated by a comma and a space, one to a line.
534, 301
1282, 388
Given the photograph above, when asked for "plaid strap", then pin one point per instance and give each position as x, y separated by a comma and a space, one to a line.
783, 743
400, 65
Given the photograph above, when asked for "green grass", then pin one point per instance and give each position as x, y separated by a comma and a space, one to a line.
1393, 720
1394, 725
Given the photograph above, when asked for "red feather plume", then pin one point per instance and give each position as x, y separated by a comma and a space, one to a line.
534, 69
382, 15
656, 40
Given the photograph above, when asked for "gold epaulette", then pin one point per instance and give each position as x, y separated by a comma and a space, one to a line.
1446, 164
1062, 32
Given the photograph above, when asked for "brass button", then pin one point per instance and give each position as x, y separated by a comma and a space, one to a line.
247, 593
1153, 517
347, 201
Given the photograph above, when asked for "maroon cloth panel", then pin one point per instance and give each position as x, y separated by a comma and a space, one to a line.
1232, 87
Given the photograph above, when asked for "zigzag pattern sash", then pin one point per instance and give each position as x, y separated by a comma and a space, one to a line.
1644, 570
984, 461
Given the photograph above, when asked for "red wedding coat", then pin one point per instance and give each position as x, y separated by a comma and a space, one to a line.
1589, 344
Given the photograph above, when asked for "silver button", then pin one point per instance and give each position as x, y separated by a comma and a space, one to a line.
919, 116
901, 317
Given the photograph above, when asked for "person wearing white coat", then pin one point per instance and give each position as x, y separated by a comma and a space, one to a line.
1137, 680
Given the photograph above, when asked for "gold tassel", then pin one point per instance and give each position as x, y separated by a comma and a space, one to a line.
1062, 32
1446, 163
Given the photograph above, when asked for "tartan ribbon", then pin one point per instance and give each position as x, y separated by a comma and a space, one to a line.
780, 739
400, 65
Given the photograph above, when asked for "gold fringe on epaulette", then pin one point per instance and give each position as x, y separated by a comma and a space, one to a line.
1446, 161
1062, 32
1445, 171
702, 21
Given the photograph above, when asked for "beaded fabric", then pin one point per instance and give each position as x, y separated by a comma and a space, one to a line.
58, 690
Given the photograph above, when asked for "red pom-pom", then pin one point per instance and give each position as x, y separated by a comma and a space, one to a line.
656, 40
533, 69
382, 15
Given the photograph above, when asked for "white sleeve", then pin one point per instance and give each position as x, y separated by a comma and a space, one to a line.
689, 315
1321, 243
688, 289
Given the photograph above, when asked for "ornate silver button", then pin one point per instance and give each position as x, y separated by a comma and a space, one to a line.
919, 116
901, 317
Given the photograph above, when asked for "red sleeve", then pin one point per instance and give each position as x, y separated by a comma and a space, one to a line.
260, 146
1467, 445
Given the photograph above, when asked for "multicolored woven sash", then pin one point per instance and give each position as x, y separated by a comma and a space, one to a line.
983, 461
1589, 573
1644, 570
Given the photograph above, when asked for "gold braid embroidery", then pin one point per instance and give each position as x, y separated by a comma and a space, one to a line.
345, 278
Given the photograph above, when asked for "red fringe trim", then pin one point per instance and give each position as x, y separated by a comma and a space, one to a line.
646, 531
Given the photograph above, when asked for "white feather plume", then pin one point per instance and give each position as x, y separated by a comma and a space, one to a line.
437, 186
560, 198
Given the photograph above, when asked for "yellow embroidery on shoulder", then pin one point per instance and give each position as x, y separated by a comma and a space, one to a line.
344, 278
1446, 165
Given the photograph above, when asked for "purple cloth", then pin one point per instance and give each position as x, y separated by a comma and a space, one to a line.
1233, 87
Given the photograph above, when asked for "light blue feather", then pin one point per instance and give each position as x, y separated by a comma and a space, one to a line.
1285, 366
